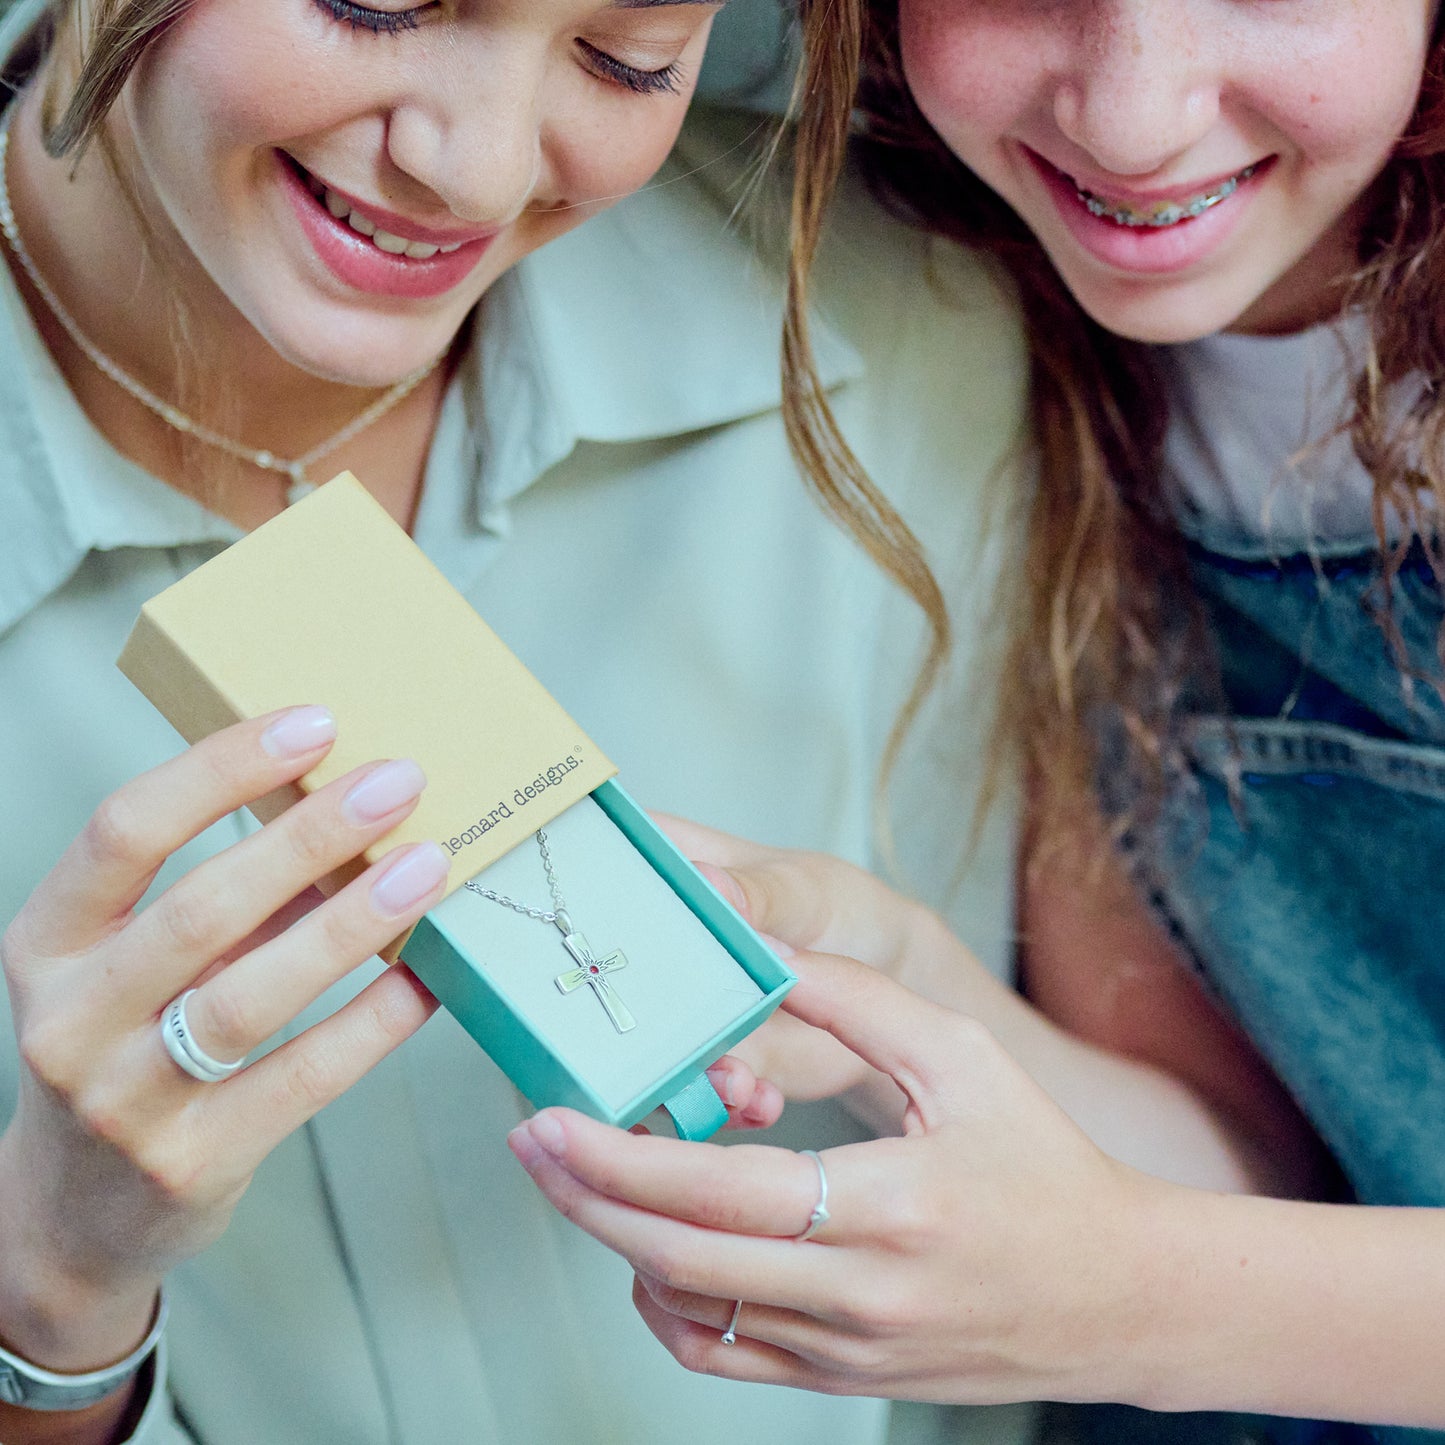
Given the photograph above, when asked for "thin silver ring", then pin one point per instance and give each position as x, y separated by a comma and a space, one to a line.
819, 1217
181, 1045
730, 1335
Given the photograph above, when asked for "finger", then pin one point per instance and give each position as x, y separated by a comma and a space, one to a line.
701, 1261
803, 1062
802, 899
243, 1005
256, 1109
699, 1348
743, 1189
921, 1045
710, 845
765, 1108
778, 896
227, 897
104, 872
752, 1103
812, 1340
814, 901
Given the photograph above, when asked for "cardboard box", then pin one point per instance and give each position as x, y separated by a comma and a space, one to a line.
331, 602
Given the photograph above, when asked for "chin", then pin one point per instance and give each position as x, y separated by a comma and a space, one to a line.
362, 351
1158, 320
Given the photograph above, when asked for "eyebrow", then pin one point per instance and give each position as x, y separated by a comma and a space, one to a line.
649, 4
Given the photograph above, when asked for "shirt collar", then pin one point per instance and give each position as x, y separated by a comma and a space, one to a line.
654, 319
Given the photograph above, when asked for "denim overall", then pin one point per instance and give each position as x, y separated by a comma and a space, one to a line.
1312, 899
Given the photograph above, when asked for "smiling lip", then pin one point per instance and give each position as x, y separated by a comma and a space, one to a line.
357, 262
1146, 249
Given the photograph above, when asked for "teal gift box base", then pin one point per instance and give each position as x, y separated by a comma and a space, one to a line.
666, 979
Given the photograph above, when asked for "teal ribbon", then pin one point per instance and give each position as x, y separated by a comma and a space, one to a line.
697, 1111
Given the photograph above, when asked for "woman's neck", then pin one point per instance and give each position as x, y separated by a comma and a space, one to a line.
163, 323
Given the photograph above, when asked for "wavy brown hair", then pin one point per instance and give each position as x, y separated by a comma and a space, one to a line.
1100, 620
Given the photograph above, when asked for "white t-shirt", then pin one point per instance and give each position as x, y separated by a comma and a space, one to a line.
1255, 453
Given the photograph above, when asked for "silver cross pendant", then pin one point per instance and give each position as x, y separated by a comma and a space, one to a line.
593, 972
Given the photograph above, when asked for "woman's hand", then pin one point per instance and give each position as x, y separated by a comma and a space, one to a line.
117, 1165
985, 1256
1165, 1085
815, 902
994, 1254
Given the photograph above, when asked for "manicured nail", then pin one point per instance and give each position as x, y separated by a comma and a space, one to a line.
722, 1081
298, 732
382, 791
549, 1134
524, 1146
409, 879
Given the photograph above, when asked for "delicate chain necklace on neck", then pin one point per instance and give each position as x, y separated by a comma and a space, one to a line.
294, 468
591, 969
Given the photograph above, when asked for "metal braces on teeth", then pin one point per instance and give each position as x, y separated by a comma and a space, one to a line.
1169, 215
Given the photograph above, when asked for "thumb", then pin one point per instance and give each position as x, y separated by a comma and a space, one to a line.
782, 897
919, 1044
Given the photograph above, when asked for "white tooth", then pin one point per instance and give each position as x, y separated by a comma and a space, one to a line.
447, 250
392, 245
421, 250
336, 205
358, 222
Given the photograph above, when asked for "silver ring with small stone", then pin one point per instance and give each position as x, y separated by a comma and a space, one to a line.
819, 1217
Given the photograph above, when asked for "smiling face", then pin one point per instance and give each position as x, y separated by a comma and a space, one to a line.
352, 178
1189, 166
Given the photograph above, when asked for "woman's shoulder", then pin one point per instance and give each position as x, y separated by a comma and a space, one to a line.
869, 260
924, 313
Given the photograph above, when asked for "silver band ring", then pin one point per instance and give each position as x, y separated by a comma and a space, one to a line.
730, 1335
819, 1217
181, 1045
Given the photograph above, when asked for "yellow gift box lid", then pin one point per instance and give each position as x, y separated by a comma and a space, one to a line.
332, 603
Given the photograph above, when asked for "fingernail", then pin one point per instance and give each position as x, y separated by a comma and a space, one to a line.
784, 951
524, 1146
409, 879
725, 884
549, 1134
298, 732
382, 791
722, 1081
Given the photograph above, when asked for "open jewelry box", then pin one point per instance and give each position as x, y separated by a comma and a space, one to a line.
578, 947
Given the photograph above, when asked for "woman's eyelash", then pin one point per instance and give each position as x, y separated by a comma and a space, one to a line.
644, 82
388, 22
363, 17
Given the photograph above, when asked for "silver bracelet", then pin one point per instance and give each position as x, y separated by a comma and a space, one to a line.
32, 1388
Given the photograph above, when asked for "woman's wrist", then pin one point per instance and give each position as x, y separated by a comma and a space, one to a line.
53, 1314
1279, 1307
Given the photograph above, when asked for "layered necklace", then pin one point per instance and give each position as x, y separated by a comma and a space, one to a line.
592, 969
294, 469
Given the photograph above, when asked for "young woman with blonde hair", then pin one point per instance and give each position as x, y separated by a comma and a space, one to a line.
249, 243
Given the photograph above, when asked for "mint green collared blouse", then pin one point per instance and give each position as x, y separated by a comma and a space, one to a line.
609, 485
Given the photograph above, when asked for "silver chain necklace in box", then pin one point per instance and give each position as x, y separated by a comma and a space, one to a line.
591, 969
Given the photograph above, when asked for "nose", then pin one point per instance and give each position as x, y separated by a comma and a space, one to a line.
470, 133
1137, 89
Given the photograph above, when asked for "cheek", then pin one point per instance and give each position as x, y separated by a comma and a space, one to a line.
225, 75
1347, 99
603, 144
973, 75
609, 158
